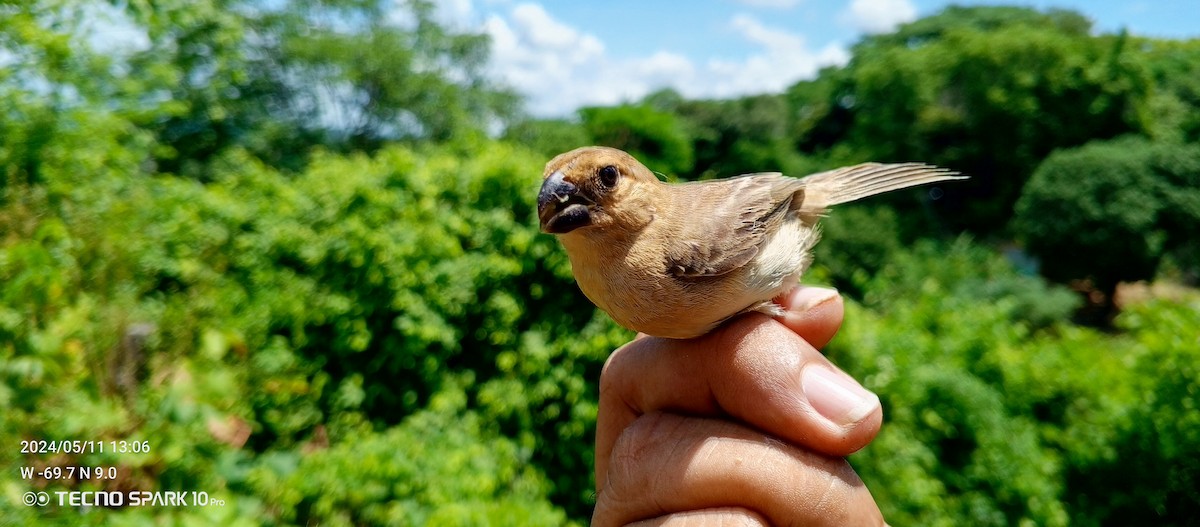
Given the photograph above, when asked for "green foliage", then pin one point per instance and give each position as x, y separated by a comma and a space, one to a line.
548, 137
856, 242
970, 275
994, 417
690, 139
948, 454
986, 91
1177, 167
1116, 208
1105, 201
276, 79
979, 18
655, 137
1175, 106
440, 467
822, 113
276, 306
387, 80
1158, 425
741, 136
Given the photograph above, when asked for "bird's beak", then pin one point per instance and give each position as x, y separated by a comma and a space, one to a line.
561, 208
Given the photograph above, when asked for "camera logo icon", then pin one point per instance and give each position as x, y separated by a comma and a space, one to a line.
35, 498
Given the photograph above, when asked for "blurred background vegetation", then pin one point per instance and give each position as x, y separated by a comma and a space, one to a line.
291, 245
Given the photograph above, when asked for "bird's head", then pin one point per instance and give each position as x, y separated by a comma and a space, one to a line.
595, 186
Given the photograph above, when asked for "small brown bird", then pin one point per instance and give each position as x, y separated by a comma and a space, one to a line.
676, 260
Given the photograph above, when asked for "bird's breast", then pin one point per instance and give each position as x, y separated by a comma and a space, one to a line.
628, 279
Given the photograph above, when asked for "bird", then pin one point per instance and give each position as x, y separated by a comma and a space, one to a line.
676, 260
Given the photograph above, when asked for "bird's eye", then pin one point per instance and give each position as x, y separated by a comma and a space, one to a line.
608, 176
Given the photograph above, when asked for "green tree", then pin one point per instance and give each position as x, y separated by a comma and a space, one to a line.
1108, 212
276, 79
987, 91
657, 138
443, 466
979, 18
1000, 415
821, 114
271, 315
1175, 107
741, 136
1149, 433
958, 448
548, 137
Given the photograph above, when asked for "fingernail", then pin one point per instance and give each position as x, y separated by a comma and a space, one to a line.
804, 298
836, 396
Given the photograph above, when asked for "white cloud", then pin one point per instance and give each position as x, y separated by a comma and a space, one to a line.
879, 16
560, 68
772, 38
784, 58
778, 4
547, 60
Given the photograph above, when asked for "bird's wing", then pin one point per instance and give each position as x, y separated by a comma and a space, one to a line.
727, 221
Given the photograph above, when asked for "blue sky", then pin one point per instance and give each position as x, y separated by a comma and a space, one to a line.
565, 54
704, 30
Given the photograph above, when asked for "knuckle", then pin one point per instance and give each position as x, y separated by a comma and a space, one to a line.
643, 447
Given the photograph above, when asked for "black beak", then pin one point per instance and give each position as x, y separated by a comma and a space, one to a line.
561, 209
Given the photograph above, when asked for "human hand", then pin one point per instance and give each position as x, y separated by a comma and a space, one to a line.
748, 425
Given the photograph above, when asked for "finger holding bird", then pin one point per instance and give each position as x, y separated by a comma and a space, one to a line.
676, 260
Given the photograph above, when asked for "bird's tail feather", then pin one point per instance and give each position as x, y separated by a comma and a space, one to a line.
826, 189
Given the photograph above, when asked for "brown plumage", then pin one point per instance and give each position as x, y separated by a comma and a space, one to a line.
676, 260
